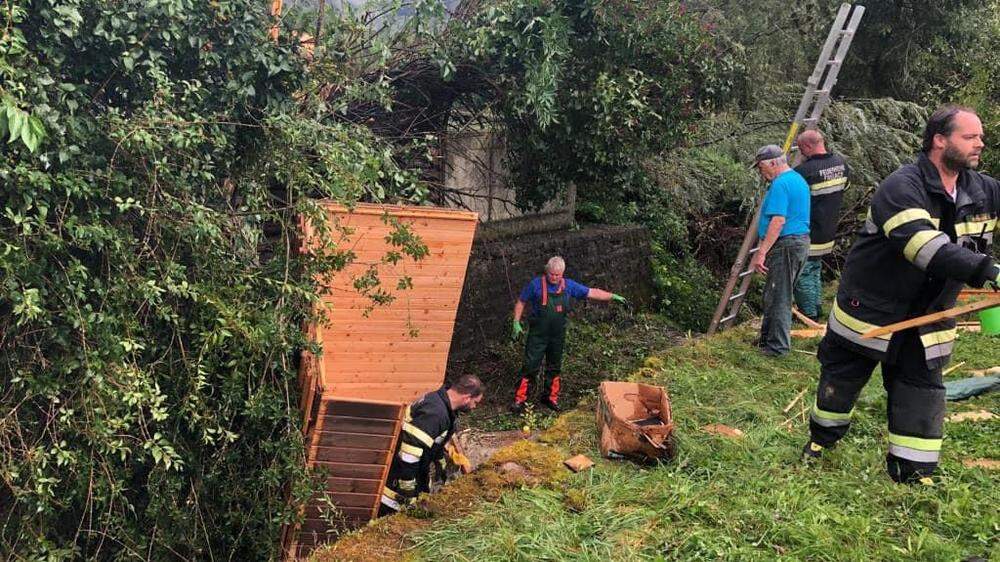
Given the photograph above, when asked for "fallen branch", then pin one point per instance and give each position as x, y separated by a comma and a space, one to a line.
805, 319
794, 400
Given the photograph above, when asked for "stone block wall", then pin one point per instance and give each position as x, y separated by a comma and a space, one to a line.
614, 258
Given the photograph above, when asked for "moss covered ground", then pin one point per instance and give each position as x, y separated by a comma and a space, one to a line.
721, 498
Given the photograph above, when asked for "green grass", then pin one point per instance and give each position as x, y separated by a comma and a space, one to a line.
748, 499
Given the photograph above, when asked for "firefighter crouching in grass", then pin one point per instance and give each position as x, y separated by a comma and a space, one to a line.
928, 233
428, 426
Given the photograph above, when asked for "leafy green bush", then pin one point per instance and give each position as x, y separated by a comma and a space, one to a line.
148, 401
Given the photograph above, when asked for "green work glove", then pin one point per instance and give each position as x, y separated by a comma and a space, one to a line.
516, 330
618, 298
995, 283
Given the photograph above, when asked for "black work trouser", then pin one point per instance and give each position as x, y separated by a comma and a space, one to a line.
915, 402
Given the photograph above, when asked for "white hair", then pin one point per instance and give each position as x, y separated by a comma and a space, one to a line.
555, 264
783, 159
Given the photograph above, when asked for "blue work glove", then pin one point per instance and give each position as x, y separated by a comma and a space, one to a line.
516, 330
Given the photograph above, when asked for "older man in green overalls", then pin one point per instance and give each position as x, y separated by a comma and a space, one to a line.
550, 297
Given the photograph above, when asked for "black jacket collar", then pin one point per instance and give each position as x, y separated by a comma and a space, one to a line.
969, 191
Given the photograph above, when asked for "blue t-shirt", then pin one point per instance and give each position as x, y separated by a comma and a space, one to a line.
788, 197
532, 292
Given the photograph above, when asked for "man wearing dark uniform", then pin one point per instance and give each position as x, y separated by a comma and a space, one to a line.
929, 232
828, 176
428, 425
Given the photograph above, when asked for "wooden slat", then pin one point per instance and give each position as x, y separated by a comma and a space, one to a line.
359, 409
337, 439
353, 485
407, 346
327, 459
347, 500
395, 314
358, 370
321, 526
350, 424
361, 225
392, 391
419, 281
342, 455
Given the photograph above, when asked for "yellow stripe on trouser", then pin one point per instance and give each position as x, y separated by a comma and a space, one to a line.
418, 434
830, 419
903, 217
915, 449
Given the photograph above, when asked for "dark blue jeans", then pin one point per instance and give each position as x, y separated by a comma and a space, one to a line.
784, 262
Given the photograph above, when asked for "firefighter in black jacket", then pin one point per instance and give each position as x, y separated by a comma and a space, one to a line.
429, 424
828, 176
929, 231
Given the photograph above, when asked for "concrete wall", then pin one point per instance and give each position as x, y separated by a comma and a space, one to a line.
473, 171
615, 258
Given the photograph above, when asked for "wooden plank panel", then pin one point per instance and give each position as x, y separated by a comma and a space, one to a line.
347, 456
393, 391
316, 511
441, 253
330, 334
335, 299
419, 281
353, 440
396, 346
367, 230
362, 409
329, 459
353, 485
395, 314
350, 424
369, 333
424, 268
352, 380
423, 299
359, 369
370, 224
321, 527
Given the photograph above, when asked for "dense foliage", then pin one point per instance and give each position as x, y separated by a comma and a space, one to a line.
147, 390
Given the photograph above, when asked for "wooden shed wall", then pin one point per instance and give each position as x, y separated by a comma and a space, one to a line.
376, 359
399, 351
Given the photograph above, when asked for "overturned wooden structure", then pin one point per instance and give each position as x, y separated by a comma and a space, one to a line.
376, 358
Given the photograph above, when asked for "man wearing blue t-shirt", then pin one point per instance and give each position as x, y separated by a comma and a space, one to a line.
783, 248
549, 296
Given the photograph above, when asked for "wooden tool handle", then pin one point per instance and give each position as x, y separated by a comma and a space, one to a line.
989, 302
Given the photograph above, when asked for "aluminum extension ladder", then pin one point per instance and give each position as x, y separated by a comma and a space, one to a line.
815, 99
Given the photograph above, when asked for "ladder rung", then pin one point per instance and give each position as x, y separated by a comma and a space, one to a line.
753, 250
833, 61
737, 295
745, 273
728, 318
